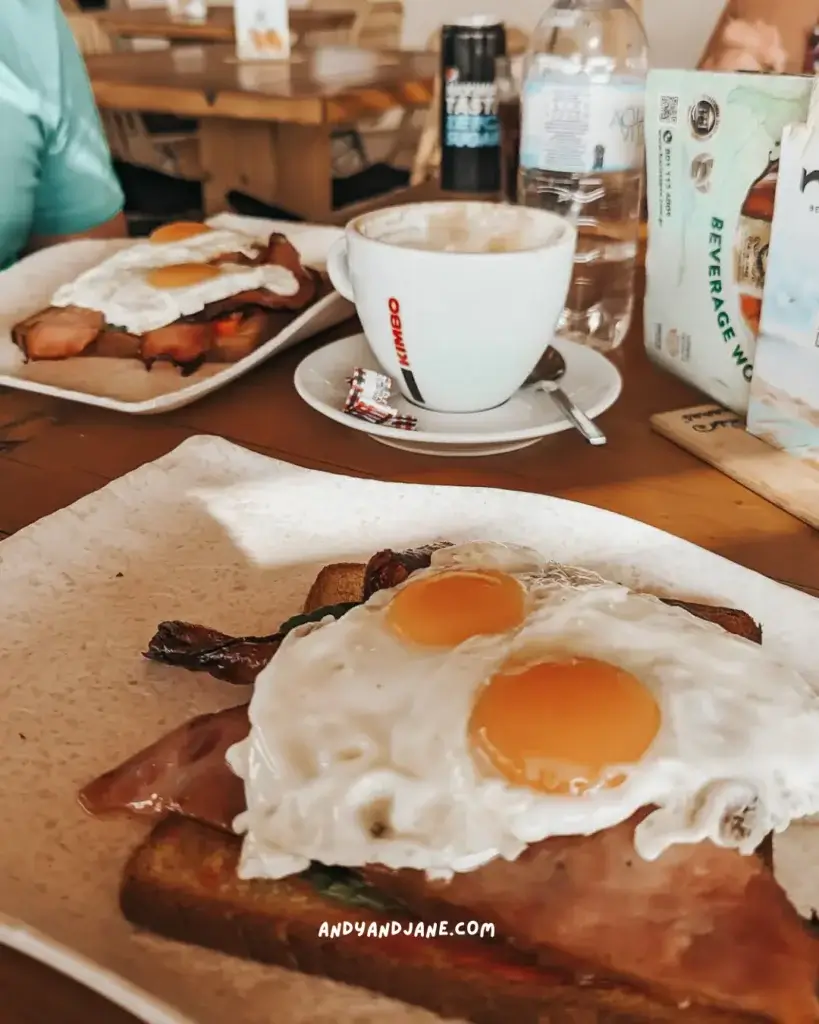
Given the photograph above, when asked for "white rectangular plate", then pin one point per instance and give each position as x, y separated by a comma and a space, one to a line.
215, 534
125, 384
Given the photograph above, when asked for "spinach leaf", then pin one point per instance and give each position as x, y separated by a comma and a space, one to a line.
336, 610
344, 886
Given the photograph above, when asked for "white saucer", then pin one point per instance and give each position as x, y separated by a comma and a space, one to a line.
590, 381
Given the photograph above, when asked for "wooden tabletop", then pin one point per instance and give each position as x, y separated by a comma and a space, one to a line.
154, 23
322, 86
53, 452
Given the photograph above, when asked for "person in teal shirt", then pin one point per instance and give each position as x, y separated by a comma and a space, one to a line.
56, 178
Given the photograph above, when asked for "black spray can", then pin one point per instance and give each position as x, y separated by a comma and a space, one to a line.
470, 128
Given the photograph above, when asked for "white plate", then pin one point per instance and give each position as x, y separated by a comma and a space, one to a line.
216, 534
591, 381
18, 936
125, 384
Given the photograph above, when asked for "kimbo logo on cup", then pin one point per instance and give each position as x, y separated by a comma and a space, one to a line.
401, 350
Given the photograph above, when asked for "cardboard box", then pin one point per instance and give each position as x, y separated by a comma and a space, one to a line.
712, 144
784, 405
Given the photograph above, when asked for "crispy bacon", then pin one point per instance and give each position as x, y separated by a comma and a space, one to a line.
183, 772
57, 332
183, 344
701, 923
388, 568
236, 660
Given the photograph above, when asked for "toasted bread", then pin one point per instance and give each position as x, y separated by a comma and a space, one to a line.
182, 883
339, 583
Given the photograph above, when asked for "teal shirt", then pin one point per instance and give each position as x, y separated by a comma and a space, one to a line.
55, 168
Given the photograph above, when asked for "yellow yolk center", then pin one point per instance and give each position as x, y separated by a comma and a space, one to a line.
178, 231
181, 275
559, 727
448, 608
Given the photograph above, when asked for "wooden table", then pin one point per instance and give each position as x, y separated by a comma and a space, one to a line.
265, 128
53, 452
154, 23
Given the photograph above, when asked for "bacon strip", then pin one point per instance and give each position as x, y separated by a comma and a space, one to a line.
236, 660
701, 923
56, 333
184, 772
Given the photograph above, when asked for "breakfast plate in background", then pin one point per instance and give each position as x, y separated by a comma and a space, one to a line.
125, 384
591, 382
145, 1008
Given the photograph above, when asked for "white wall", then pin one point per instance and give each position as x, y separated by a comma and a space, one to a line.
677, 29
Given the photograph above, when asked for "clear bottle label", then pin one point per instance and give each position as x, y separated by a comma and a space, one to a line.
471, 113
575, 127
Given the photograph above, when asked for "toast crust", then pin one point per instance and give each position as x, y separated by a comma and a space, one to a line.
181, 883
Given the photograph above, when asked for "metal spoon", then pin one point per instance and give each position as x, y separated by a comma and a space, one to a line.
544, 377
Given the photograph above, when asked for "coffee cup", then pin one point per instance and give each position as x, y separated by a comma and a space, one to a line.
458, 300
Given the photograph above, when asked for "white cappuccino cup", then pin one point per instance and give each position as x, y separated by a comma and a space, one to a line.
458, 300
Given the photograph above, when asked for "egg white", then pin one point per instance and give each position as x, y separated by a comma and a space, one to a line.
118, 287
350, 726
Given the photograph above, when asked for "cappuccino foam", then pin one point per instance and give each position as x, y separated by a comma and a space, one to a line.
460, 228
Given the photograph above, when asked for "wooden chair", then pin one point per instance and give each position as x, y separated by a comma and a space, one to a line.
377, 26
428, 154
128, 138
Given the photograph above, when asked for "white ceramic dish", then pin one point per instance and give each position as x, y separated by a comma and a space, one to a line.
591, 381
215, 534
19, 937
125, 384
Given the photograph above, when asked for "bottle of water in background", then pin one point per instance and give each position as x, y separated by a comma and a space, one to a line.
583, 153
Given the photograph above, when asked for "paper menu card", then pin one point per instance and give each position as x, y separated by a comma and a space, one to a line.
262, 29
784, 406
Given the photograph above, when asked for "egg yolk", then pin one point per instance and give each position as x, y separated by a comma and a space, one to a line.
178, 231
181, 275
448, 608
560, 727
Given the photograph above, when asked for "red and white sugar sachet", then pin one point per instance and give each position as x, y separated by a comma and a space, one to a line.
369, 400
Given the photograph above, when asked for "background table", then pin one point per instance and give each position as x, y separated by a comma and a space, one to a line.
265, 128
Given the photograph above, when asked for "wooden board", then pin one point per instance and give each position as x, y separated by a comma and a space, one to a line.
719, 438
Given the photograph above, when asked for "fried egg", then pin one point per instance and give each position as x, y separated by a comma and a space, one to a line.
495, 700
153, 283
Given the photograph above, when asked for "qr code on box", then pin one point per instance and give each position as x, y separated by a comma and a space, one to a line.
668, 109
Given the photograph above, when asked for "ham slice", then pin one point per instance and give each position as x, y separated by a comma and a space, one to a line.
701, 923
184, 772
58, 332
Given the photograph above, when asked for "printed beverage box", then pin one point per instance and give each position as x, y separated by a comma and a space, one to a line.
713, 149
784, 406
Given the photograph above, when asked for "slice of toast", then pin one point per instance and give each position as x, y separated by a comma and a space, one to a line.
181, 883
339, 583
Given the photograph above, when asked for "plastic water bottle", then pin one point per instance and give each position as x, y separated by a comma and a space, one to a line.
583, 153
